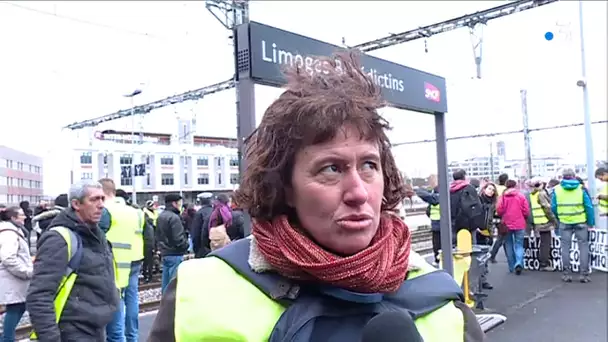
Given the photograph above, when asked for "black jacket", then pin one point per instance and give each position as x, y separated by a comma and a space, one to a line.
199, 231
94, 297
171, 237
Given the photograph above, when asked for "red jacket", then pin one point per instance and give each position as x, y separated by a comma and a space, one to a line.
513, 208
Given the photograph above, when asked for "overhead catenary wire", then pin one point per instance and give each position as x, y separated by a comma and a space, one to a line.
494, 134
84, 21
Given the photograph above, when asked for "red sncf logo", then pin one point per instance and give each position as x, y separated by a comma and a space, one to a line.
431, 92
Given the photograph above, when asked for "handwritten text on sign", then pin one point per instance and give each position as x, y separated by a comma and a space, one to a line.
598, 252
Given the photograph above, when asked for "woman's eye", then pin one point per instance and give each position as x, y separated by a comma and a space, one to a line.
370, 166
330, 169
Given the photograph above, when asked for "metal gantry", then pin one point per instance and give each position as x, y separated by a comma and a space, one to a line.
231, 12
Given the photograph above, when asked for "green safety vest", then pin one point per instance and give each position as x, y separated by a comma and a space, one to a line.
538, 214
435, 213
603, 205
121, 236
69, 277
570, 208
211, 296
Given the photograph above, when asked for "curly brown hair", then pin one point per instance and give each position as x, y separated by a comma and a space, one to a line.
312, 110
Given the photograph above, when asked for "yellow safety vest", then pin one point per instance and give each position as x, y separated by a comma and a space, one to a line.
500, 189
152, 214
435, 213
69, 278
603, 205
138, 239
121, 236
206, 310
538, 214
570, 208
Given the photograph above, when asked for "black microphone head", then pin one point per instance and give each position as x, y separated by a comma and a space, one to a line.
392, 326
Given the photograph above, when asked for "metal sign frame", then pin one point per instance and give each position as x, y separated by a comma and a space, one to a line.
260, 52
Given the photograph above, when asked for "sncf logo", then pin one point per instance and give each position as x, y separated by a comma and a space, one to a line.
431, 92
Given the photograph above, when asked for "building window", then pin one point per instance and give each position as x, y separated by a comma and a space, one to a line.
203, 179
202, 161
147, 179
185, 179
147, 160
86, 175
166, 161
234, 178
219, 179
86, 158
219, 161
166, 178
126, 181
105, 159
126, 159
234, 161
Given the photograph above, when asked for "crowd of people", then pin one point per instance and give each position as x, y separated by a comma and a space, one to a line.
500, 215
75, 265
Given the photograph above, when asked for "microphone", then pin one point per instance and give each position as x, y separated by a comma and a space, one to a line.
393, 326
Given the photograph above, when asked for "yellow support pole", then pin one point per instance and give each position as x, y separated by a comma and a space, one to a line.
462, 263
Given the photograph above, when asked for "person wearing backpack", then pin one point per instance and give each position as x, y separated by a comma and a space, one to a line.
514, 209
73, 293
465, 206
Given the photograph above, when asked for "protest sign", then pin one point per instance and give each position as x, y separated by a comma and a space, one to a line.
598, 252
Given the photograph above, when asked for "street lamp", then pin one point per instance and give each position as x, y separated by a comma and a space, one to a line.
132, 97
586, 110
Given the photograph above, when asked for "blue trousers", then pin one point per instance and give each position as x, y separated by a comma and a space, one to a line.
514, 247
170, 264
131, 298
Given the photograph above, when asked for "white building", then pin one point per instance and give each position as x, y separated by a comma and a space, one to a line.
478, 167
172, 164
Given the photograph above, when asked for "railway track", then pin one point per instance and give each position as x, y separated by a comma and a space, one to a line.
420, 241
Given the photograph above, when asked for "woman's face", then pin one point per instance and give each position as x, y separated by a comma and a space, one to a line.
20, 217
489, 190
337, 190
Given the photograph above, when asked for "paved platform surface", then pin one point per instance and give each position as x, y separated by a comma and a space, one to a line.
538, 306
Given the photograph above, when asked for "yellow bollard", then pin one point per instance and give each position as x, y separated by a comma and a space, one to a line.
462, 263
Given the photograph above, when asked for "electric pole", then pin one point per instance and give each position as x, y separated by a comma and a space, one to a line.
526, 130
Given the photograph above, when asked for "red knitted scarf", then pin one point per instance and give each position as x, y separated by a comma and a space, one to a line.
381, 267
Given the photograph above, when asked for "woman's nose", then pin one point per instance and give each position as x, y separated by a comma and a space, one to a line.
355, 189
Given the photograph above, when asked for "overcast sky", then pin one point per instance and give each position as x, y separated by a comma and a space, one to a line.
70, 61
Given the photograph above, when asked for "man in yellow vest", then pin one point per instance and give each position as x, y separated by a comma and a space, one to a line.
602, 175
143, 240
151, 215
433, 212
543, 220
573, 208
120, 223
91, 299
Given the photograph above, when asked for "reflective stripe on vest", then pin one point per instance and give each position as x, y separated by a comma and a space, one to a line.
120, 236
570, 208
435, 213
603, 205
538, 214
69, 277
234, 299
